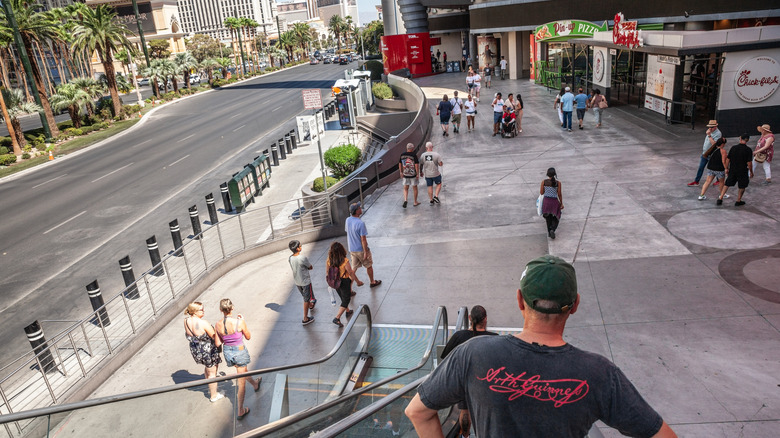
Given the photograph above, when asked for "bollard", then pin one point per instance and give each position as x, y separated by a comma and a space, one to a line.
282, 153
154, 255
288, 143
37, 340
101, 318
131, 290
294, 139
176, 236
223, 188
274, 154
212, 209
195, 222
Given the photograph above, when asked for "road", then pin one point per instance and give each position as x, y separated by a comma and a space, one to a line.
64, 225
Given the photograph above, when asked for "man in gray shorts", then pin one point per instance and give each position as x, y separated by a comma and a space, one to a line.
300, 267
430, 170
409, 166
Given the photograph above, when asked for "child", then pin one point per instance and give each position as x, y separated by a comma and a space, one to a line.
300, 266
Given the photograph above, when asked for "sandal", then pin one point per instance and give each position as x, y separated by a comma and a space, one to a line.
337, 322
259, 380
349, 313
241, 417
377, 282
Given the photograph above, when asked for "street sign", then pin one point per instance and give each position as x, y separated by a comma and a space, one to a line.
312, 99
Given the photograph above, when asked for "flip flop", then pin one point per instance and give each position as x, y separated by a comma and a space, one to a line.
259, 381
376, 283
241, 417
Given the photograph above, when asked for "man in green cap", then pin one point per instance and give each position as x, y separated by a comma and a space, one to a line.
534, 384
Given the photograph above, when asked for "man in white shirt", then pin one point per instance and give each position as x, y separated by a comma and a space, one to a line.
457, 109
503, 68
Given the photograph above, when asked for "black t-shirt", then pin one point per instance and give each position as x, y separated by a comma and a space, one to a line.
716, 161
739, 156
514, 388
407, 161
460, 337
445, 109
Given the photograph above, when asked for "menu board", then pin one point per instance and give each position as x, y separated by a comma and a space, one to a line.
660, 77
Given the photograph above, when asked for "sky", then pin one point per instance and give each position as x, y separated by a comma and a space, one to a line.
367, 10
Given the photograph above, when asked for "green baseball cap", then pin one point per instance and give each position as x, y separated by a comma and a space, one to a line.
549, 278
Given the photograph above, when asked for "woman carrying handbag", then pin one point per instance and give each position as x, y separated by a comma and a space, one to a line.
599, 104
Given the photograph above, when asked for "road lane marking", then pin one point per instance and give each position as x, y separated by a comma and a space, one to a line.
63, 223
234, 116
277, 108
185, 138
238, 128
46, 182
178, 160
143, 142
112, 172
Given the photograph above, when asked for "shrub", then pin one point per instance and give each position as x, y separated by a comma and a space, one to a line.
63, 136
105, 102
342, 160
7, 160
376, 68
25, 156
105, 114
99, 126
27, 148
87, 129
382, 91
6, 142
4, 150
317, 184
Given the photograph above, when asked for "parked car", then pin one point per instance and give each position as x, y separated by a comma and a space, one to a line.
313, 61
327, 60
343, 60
143, 81
194, 79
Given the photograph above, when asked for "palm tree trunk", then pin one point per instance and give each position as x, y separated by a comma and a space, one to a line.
45, 72
67, 58
74, 116
175, 84
5, 66
19, 134
88, 61
14, 140
36, 73
108, 66
20, 76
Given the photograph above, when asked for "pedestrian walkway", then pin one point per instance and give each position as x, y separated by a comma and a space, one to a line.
683, 295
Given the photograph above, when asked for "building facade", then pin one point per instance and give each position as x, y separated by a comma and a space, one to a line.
207, 16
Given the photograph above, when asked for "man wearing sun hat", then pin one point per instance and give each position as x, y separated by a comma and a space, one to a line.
535, 384
765, 149
713, 134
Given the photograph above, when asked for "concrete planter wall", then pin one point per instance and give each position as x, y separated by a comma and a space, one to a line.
391, 104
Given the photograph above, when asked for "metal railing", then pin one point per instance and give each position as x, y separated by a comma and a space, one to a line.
46, 377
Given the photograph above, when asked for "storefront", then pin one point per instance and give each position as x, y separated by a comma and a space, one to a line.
554, 56
690, 76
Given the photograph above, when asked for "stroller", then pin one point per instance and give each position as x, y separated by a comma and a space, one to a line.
508, 124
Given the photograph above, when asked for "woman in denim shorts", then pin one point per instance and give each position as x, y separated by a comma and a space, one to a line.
232, 331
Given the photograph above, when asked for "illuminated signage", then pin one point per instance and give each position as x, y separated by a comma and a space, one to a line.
625, 33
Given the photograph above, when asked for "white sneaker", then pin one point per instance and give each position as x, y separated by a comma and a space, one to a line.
218, 397
702, 197
726, 196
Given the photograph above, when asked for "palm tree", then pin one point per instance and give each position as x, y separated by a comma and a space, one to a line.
348, 29
184, 62
157, 74
99, 31
336, 25
209, 64
34, 26
18, 106
233, 24
71, 98
287, 42
94, 89
302, 35
224, 63
122, 84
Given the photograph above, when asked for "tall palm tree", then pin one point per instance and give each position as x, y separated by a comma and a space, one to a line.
348, 29
34, 26
18, 106
122, 84
72, 98
209, 64
233, 24
94, 89
302, 35
184, 62
224, 64
336, 25
287, 42
99, 31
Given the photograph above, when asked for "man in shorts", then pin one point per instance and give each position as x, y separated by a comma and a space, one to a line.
409, 166
739, 170
582, 105
488, 75
477, 85
430, 170
359, 252
503, 63
300, 267
457, 109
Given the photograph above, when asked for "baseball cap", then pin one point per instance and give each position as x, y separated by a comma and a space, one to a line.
549, 278
567, 89
353, 207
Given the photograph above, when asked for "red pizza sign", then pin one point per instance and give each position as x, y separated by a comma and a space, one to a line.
625, 33
756, 79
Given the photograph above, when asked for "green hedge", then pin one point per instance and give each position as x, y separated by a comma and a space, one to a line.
7, 160
376, 68
382, 91
317, 186
4, 150
342, 160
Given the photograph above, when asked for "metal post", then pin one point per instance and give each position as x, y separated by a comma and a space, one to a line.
129, 316
241, 227
271, 223
282, 153
223, 188
170, 279
376, 168
151, 298
294, 139
141, 31
187, 265
41, 350
46, 380
154, 256
288, 143
221, 245
213, 218
300, 213
76, 353
86, 338
275, 154
176, 236
195, 221
96, 299
127, 274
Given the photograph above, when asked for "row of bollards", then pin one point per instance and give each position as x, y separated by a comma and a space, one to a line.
34, 331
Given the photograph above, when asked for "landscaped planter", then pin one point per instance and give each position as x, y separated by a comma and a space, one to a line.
395, 104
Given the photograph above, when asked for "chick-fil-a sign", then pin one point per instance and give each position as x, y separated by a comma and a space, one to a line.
625, 33
757, 79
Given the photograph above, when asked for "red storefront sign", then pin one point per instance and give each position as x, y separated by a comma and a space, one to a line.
757, 79
412, 51
625, 33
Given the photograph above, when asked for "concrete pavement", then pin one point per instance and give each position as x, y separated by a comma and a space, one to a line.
683, 295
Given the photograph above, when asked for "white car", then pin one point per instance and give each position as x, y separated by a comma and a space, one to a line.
194, 79
143, 81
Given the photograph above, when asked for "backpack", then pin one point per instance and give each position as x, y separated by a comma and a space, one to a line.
333, 278
407, 164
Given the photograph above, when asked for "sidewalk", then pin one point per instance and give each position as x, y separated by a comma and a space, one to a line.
679, 293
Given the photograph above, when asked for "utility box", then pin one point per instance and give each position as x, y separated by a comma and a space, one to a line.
249, 182
365, 85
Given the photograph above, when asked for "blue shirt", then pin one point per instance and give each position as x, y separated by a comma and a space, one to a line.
582, 101
715, 136
355, 228
567, 102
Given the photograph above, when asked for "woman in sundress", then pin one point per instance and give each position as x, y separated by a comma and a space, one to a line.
204, 344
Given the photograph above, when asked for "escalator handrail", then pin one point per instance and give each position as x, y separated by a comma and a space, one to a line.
69, 407
441, 315
345, 423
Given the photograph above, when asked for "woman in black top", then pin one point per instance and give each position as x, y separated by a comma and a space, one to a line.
716, 167
552, 203
519, 112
